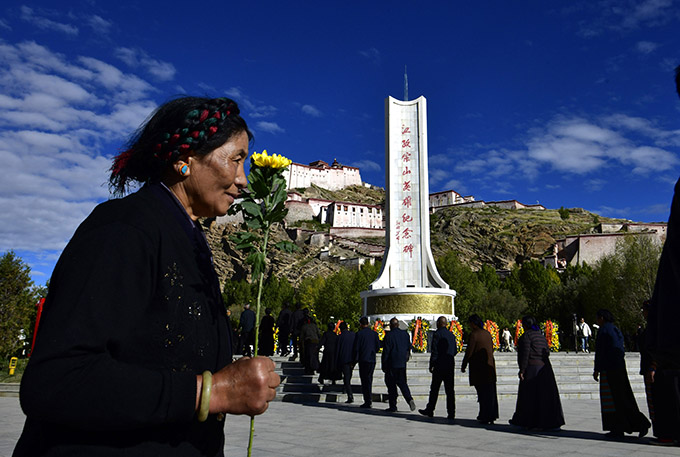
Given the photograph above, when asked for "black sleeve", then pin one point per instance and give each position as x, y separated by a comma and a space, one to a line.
102, 287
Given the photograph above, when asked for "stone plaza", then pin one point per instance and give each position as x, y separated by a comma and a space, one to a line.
311, 420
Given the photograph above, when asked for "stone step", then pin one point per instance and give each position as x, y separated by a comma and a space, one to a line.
573, 372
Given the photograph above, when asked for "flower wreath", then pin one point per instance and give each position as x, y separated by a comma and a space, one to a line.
492, 328
457, 330
418, 328
519, 330
550, 330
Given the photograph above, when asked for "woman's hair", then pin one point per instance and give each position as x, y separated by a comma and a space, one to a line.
331, 326
475, 319
529, 322
185, 124
605, 314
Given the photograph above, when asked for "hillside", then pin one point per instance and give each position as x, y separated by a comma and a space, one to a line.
489, 235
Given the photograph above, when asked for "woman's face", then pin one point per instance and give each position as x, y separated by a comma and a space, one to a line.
216, 178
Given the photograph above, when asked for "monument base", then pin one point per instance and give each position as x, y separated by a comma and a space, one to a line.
408, 303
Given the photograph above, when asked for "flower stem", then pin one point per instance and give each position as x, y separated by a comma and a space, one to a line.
260, 283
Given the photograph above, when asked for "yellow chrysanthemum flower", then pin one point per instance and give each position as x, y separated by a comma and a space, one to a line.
270, 161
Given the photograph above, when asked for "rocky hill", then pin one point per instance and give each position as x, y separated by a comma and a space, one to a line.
489, 235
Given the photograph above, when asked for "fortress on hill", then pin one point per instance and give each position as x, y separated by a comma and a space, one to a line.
350, 221
354, 219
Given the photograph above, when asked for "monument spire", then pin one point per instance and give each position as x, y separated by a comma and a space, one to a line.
405, 84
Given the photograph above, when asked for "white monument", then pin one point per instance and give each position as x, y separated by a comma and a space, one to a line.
408, 285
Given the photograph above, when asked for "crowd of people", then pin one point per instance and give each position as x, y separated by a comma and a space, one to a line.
538, 404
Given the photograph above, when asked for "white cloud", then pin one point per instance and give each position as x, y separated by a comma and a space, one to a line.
269, 127
137, 58
4, 25
367, 165
455, 184
647, 12
372, 54
29, 15
99, 24
60, 120
311, 110
645, 47
580, 146
248, 107
577, 146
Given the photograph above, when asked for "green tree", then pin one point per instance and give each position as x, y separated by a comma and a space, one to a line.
339, 299
309, 289
18, 297
512, 283
502, 307
564, 213
275, 292
537, 281
487, 275
470, 292
237, 293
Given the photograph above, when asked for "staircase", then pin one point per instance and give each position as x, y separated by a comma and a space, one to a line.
573, 371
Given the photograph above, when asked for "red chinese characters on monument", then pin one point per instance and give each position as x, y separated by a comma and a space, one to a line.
405, 224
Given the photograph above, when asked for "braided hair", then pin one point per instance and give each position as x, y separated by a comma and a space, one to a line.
186, 124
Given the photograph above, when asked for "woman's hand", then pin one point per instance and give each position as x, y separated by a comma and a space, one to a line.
244, 387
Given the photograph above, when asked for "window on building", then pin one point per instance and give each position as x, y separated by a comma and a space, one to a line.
345, 207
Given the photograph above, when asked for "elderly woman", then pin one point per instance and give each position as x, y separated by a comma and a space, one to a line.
620, 413
134, 354
538, 400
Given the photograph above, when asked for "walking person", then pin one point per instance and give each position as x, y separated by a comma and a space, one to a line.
246, 325
296, 321
442, 368
266, 346
584, 334
479, 355
345, 358
395, 355
309, 341
538, 400
283, 324
620, 413
506, 340
328, 370
366, 345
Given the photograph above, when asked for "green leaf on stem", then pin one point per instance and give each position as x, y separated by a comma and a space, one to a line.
286, 246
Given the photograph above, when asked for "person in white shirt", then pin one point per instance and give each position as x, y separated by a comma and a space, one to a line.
584, 334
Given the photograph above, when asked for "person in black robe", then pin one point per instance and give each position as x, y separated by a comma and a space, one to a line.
345, 360
309, 339
296, 321
620, 413
328, 370
662, 341
538, 400
283, 324
133, 354
246, 325
266, 343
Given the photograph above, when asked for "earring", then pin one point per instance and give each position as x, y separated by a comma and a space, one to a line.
183, 169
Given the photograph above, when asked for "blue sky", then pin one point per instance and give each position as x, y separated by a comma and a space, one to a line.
565, 103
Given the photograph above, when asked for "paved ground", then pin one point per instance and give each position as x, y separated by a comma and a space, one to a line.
288, 429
